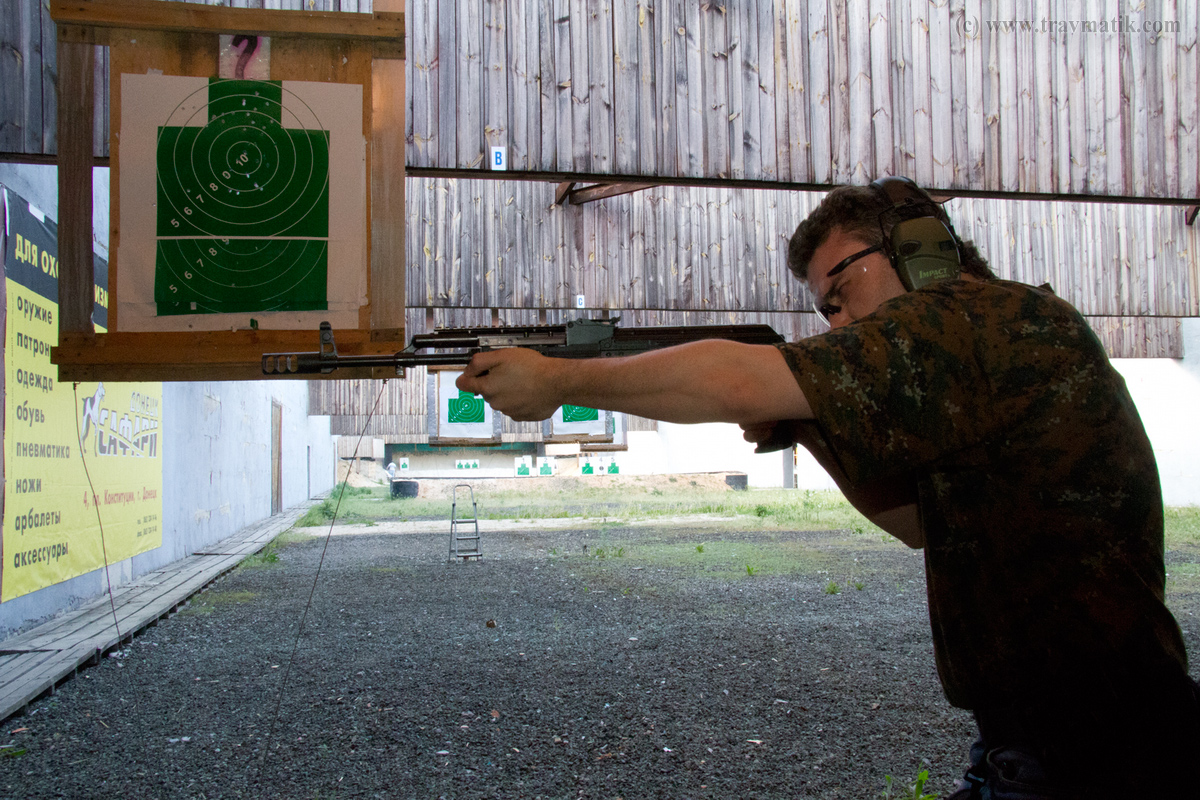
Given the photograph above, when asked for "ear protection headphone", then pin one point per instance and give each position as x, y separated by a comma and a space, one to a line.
923, 246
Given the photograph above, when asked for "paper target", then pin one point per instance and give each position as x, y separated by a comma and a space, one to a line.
243, 203
461, 414
579, 414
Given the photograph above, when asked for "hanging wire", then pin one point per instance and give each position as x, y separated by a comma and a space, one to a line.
96, 504
312, 591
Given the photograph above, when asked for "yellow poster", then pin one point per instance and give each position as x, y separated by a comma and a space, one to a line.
57, 525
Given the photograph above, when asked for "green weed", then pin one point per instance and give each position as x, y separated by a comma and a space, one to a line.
785, 509
320, 514
263, 558
206, 603
831, 588
1182, 526
728, 559
750, 570
291, 536
913, 791
810, 508
229, 598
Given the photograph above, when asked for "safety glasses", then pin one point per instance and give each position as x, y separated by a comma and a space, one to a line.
830, 303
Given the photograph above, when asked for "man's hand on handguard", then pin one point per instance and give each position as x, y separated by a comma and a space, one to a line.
515, 381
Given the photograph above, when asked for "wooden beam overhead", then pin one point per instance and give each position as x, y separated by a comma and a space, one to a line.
197, 18
205, 355
539, 176
588, 194
564, 189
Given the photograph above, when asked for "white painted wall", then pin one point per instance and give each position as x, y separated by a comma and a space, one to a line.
719, 447
217, 460
1167, 394
216, 450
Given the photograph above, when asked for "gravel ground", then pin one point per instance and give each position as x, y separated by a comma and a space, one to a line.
538, 672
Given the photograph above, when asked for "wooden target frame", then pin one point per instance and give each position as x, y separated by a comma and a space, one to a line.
182, 39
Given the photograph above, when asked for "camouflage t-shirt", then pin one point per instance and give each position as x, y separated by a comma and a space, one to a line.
1037, 487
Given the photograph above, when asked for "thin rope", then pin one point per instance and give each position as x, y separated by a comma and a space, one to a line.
96, 504
304, 617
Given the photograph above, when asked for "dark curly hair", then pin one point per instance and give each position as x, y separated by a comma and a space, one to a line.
856, 210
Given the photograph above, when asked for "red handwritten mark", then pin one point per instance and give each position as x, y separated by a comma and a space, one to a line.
251, 47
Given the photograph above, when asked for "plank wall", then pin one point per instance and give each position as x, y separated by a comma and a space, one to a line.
978, 95
954, 94
720, 254
982, 95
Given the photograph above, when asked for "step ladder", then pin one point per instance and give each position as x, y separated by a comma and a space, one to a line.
465, 545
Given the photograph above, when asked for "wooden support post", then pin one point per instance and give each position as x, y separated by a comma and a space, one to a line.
386, 204
75, 268
563, 190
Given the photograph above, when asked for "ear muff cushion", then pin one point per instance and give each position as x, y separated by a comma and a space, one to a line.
923, 246
925, 250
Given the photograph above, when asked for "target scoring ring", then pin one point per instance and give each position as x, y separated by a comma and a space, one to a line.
242, 169
243, 202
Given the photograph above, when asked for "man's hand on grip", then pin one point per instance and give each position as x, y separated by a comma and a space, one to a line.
516, 381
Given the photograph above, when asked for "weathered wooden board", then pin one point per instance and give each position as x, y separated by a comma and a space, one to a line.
680, 248
984, 95
964, 94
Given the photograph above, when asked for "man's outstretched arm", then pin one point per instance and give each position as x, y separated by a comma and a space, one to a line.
707, 381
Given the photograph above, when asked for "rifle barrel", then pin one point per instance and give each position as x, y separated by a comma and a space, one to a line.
580, 339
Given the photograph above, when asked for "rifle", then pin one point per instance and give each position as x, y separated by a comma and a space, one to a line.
580, 338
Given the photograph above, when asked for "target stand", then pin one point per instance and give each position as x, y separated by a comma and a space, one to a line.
246, 209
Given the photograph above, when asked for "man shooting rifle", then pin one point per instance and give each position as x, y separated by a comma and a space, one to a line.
981, 420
